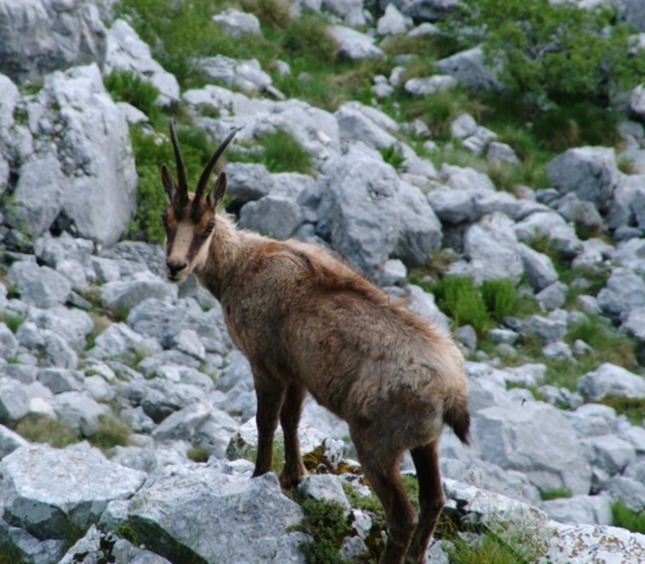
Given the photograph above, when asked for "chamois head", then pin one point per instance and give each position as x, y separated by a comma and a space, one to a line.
189, 219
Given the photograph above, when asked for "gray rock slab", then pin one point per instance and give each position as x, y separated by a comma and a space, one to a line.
611, 380
14, 401
49, 491
536, 439
590, 172
10, 441
274, 216
623, 293
610, 453
580, 509
627, 490
237, 24
119, 341
430, 84
8, 342
94, 150
325, 487
182, 424
355, 45
209, 516
40, 286
20, 544
469, 67
125, 294
79, 412
538, 267
41, 37
60, 380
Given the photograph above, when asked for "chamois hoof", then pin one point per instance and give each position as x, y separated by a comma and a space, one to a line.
290, 481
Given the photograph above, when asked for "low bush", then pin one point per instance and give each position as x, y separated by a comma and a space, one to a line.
500, 297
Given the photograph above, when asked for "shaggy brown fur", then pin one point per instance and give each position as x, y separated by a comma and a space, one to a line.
307, 322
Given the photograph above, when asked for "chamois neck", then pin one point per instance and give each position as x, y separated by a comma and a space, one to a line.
225, 254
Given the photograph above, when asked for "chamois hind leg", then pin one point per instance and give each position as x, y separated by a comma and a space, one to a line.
270, 397
290, 413
382, 471
431, 500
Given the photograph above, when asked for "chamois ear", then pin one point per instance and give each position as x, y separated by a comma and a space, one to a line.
169, 184
217, 193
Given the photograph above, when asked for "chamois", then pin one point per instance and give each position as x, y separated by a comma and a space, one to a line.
308, 322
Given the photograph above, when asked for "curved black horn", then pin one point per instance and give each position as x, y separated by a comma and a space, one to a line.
203, 180
181, 169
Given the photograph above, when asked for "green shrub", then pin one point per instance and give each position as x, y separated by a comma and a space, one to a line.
462, 300
500, 297
627, 519
556, 51
45, 430
198, 454
127, 86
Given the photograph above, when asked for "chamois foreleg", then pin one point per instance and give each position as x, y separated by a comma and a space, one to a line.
294, 469
383, 474
431, 500
270, 397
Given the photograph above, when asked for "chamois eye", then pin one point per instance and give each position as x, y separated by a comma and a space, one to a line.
164, 218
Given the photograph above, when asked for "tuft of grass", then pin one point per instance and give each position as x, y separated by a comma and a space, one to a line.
282, 153
112, 432
608, 345
327, 524
460, 299
9, 554
127, 86
500, 297
393, 155
627, 519
45, 430
198, 454
436, 267
11, 320
308, 38
556, 493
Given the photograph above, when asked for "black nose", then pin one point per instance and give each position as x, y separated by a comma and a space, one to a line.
174, 268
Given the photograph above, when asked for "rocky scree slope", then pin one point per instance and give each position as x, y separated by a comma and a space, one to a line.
139, 382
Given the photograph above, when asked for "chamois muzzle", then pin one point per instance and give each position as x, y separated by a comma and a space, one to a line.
174, 269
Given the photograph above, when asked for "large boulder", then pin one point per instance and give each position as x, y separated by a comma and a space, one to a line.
469, 68
52, 492
368, 214
611, 380
537, 439
38, 37
76, 147
204, 515
591, 172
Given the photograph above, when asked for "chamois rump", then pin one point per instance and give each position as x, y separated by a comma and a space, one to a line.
307, 322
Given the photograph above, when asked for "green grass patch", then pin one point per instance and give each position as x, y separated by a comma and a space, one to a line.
462, 300
392, 155
198, 454
632, 408
127, 86
627, 519
326, 523
11, 320
500, 297
45, 430
556, 493
282, 153
112, 432
436, 267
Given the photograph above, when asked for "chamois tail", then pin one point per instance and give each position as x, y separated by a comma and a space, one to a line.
457, 416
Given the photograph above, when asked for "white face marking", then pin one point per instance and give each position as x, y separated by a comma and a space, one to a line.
181, 252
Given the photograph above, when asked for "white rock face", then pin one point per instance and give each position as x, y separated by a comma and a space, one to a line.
38, 37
